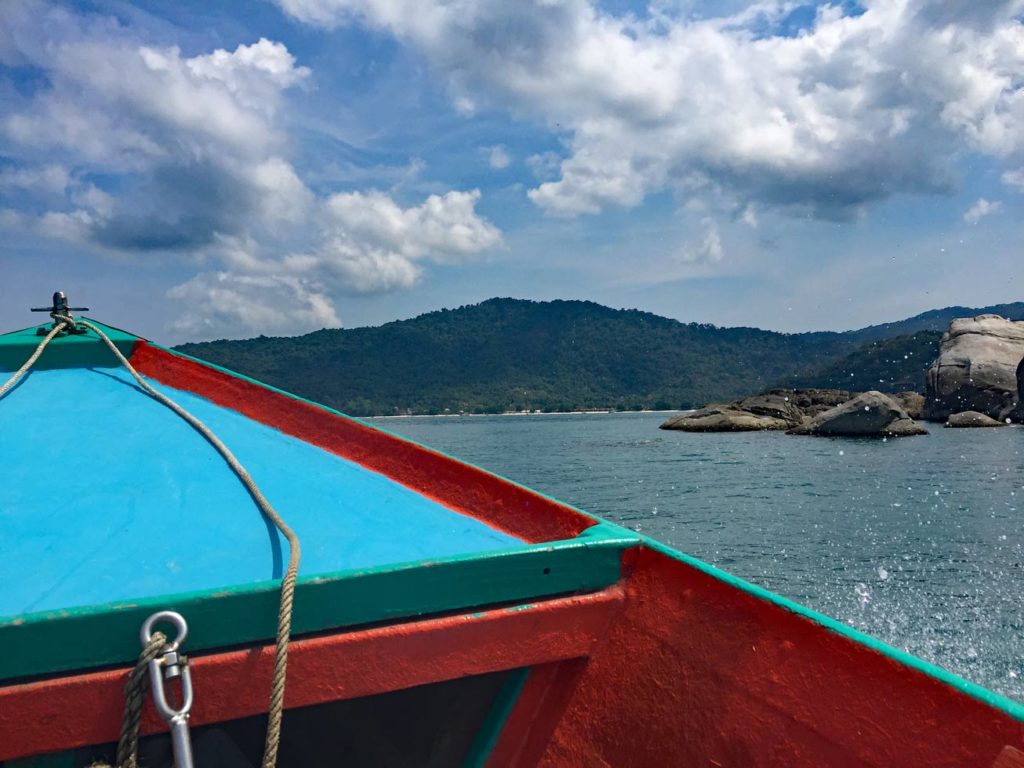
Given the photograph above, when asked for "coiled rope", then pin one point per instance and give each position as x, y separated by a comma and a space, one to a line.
134, 698
284, 616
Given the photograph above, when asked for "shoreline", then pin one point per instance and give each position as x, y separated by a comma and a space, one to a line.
521, 413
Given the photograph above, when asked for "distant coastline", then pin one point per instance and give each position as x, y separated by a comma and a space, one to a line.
596, 412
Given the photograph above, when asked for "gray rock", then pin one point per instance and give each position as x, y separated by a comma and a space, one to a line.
723, 419
911, 402
868, 414
973, 419
977, 369
770, 410
778, 404
812, 401
779, 409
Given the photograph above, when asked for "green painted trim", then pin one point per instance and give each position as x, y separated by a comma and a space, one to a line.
38, 644
368, 425
493, 725
72, 351
1003, 704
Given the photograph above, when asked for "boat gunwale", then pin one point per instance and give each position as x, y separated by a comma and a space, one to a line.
107, 634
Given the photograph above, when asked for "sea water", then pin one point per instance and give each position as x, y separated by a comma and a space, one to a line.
916, 541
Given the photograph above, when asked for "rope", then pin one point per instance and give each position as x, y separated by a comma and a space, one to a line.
134, 697
284, 616
31, 361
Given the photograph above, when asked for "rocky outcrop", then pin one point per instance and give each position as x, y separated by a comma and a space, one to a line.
770, 410
812, 401
867, 415
977, 369
911, 402
776, 409
973, 419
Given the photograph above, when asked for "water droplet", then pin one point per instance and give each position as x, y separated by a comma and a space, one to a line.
863, 594
842, 453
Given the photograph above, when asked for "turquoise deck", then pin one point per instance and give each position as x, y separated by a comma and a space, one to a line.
107, 496
112, 507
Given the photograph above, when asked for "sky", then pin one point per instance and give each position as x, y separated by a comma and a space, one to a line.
198, 170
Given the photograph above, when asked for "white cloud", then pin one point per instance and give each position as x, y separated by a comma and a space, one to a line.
498, 157
52, 179
73, 225
194, 140
12, 220
981, 209
1014, 178
372, 244
854, 109
707, 250
544, 165
280, 193
199, 155
367, 243
127, 105
251, 67
227, 304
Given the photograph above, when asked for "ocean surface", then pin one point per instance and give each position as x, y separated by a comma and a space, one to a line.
916, 541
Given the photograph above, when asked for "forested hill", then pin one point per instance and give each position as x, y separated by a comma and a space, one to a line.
937, 320
511, 355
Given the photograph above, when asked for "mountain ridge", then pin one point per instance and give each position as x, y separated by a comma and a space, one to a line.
516, 354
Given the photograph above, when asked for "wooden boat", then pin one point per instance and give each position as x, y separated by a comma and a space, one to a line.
443, 615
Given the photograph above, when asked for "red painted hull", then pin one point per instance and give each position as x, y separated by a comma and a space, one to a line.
672, 667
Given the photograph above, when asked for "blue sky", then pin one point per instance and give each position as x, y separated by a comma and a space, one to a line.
198, 170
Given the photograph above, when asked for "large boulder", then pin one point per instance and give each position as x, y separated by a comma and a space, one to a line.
867, 415
723, 418
911, 402
977, 369
972, 419
760, 412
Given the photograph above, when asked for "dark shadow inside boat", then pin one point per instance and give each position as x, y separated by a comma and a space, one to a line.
433, 726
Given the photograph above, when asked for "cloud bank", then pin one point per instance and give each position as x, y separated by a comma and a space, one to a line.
860, 104
132, 147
